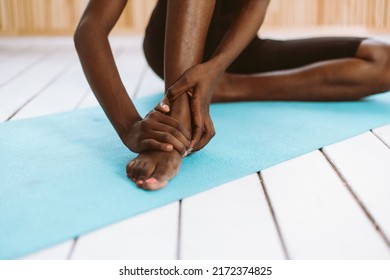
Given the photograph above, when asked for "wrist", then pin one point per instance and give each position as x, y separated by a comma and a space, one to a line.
219, 63
124, 127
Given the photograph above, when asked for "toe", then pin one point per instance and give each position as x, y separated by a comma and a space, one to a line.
134, 170
145, 173
152, 184
130, 168
159, 178
138, 170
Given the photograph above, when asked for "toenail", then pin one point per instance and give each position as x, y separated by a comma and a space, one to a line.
151, 180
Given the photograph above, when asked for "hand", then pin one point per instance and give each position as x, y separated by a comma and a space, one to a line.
199, 83
157, 131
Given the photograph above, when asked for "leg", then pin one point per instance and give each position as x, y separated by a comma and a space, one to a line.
349, 78
186, 30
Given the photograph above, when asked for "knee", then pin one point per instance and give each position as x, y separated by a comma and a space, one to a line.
378, 54
384, 69
154, 55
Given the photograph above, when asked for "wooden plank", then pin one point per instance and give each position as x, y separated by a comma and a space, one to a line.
53, 87
29, 84
16, 64
232, 221
62, 95
21, 53
131, 65
89, 101
383, 133
364, 162
8, 51
58, 252
152, 235
317, 215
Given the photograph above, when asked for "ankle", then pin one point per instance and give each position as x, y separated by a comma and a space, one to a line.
180, 110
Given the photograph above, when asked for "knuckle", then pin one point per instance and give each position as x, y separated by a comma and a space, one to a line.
144, 126
175, 133
146, 144
170, 92
153, 114
166, 137
186, 78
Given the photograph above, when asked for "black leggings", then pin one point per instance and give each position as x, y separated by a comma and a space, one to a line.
261, 55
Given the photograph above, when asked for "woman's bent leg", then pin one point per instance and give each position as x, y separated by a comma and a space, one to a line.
186, 31
361, 72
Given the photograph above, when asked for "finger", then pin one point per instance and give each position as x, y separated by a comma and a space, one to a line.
197, 122
164, 106
164, 137
178, 88
174, 124
161, 127
207, 135
154, 145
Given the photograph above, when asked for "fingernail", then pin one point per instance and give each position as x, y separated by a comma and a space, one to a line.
140, 182
189, 151
151, 180
169, 148
165, 107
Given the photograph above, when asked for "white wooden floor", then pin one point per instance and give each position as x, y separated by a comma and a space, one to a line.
333, 203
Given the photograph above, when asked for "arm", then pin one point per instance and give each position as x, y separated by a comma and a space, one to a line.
201, 79
93, 48
240, 33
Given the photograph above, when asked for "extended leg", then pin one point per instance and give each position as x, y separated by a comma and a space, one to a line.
367, 73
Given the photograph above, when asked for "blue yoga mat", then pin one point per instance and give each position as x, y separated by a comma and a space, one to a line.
63, 175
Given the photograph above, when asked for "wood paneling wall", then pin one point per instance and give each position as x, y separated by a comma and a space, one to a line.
59, 17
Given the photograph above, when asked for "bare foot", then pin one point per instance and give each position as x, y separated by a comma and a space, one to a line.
152, 170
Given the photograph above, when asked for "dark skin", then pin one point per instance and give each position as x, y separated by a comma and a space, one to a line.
191, 85
156, 131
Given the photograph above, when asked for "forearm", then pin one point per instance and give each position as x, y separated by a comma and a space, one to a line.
241, 31
93, 48
100, 70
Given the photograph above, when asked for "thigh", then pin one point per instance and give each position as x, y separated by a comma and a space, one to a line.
265, 55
